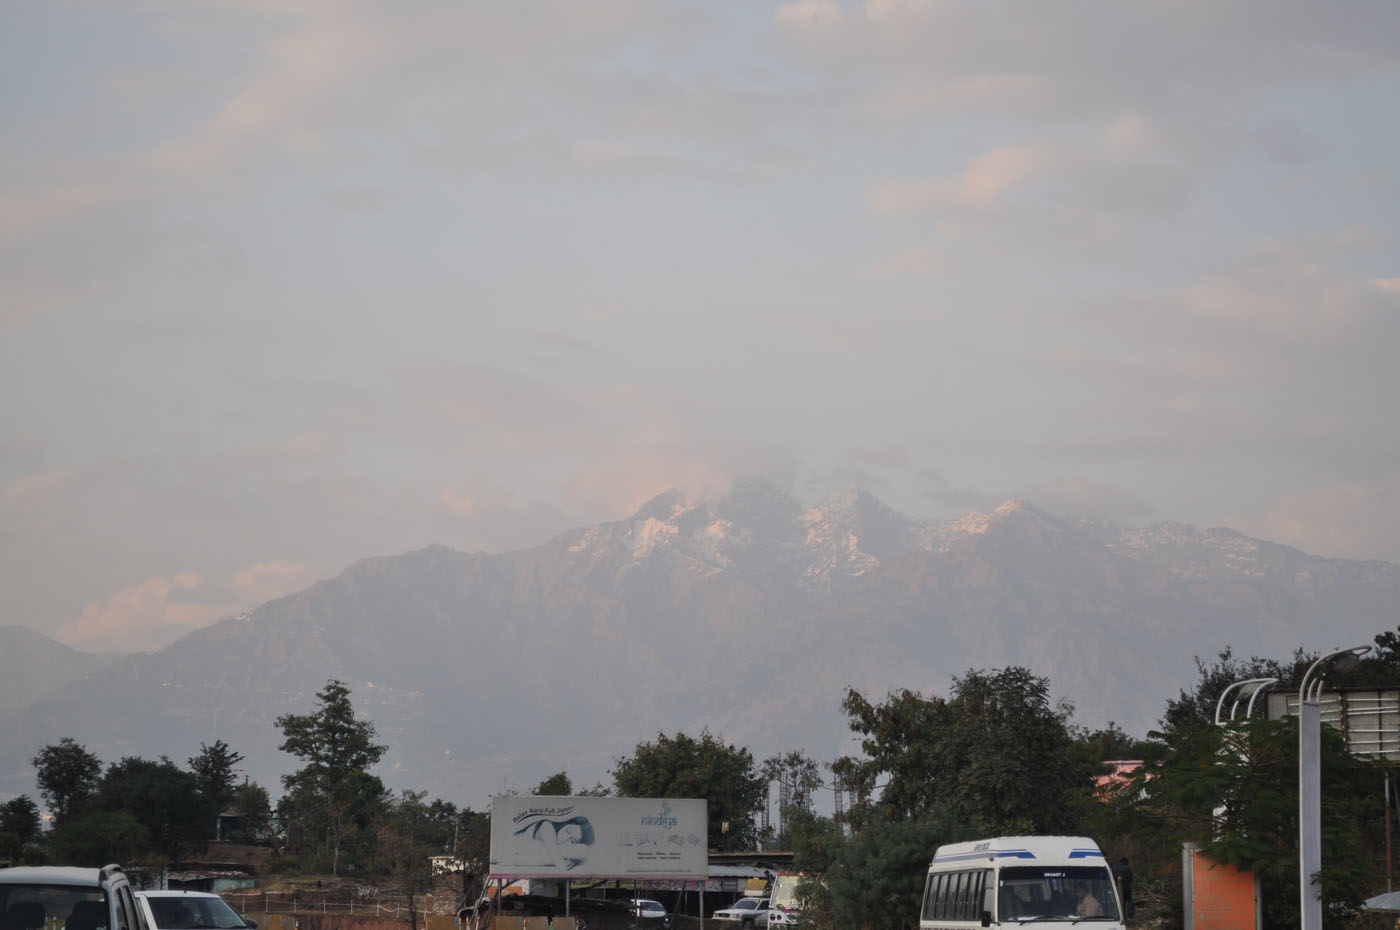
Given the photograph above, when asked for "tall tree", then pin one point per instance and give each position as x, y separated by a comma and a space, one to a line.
684, 767
411, 833
337, 750
20, 828
216, 767
995, 754
899, 739
67, 776
161, 797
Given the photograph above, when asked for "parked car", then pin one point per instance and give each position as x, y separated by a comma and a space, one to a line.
750, 912
189, 910
39, 897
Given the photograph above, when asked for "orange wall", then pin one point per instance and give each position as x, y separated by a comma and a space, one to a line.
1223, 896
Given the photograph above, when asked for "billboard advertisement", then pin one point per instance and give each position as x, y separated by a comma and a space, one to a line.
621, 838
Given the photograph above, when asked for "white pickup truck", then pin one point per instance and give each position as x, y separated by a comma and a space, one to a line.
750, 912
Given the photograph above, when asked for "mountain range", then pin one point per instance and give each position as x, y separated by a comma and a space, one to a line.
749, 614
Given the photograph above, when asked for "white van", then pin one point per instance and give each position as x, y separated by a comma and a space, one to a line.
1020, 880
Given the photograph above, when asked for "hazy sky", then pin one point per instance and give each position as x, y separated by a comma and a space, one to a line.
285, 284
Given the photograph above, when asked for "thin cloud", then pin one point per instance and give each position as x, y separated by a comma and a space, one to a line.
268, 580
982, 184
808, 14
1078, 60
155, 612
140, 616
32, 489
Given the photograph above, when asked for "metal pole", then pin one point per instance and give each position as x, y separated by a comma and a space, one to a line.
1309, 813
1188, 886
1310, 785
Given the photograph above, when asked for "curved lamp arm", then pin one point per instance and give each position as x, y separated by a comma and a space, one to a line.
1264, 685
1259, 684
1311, 691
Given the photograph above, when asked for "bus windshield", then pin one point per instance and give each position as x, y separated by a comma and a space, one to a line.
1056, 892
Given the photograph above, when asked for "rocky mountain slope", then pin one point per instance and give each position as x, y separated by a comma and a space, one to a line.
32, 665
750, 615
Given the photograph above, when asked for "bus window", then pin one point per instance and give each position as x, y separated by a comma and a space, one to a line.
1044, 892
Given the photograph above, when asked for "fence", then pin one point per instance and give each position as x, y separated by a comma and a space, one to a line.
273, 902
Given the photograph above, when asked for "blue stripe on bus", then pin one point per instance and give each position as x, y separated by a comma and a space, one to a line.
1014, 854
989, 854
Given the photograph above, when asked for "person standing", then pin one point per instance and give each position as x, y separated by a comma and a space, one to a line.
1123, 875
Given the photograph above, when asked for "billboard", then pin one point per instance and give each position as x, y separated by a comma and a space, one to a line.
1369, 718
622, 838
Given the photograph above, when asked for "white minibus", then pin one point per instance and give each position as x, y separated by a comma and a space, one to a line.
1020, 880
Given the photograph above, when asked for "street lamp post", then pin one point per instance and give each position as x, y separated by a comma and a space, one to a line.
1310, 781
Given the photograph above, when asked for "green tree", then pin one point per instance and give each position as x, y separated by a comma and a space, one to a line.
67, 776
20, 828
337, 750
684, 767
996, 755
899, 739
254, 810
407, 842
1196, 707
302, 814
556, 785
97, 837
815, 841
412, 831
875, 879
1233, 791
1379, 669
473, 841
311, 834
215, 767
164, 799
1107, 744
